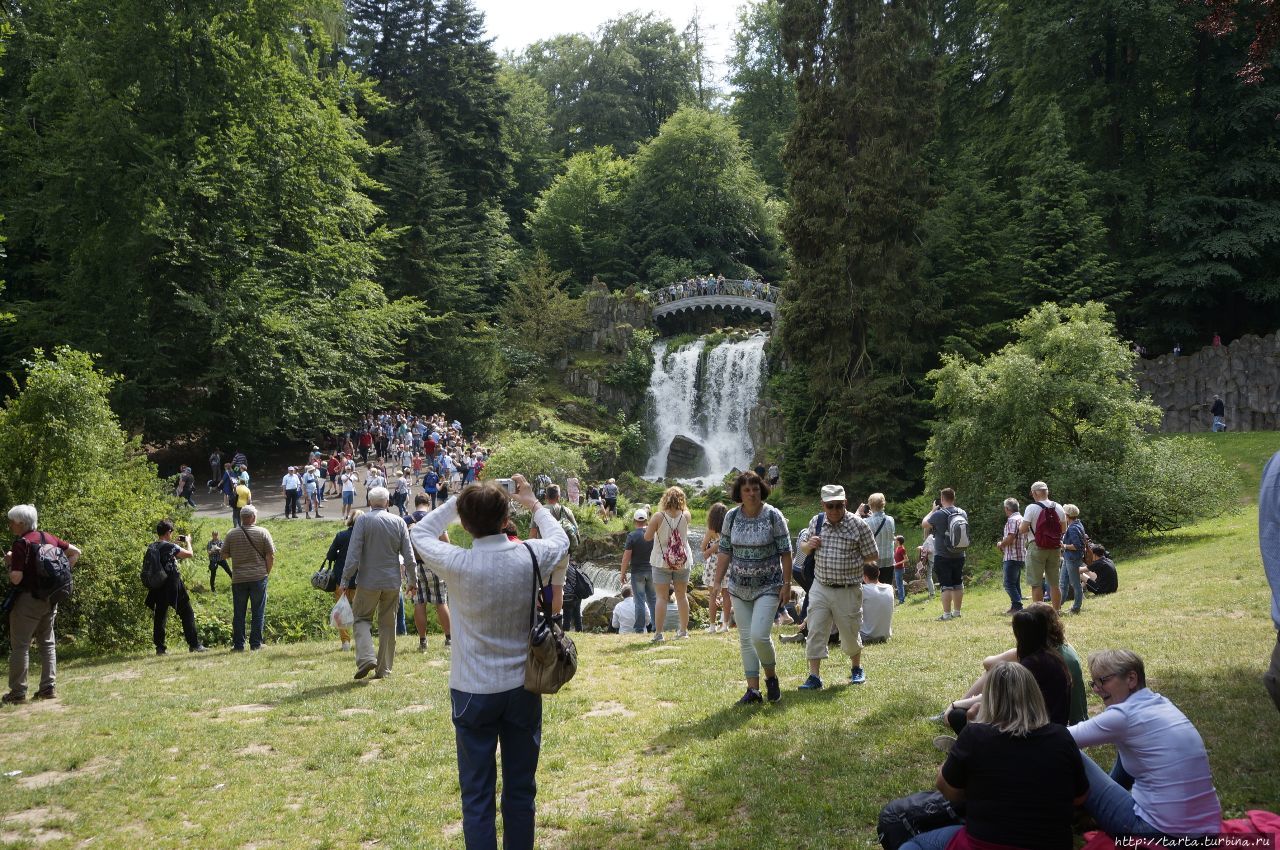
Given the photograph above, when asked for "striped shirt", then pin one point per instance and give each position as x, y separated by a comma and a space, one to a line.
1017, 550
247, 548
846, 546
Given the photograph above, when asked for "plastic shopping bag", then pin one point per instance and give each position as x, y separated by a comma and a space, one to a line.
341, 617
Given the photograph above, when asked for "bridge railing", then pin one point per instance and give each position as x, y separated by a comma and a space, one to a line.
671, 293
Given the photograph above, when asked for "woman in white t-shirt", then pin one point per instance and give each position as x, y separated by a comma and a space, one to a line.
347, 485
671, 558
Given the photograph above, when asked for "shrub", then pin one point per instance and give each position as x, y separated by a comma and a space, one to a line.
62, 450
1060, 403
530, 455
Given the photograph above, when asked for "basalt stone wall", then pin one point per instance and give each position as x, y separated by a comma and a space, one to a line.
1245, 373
612, 319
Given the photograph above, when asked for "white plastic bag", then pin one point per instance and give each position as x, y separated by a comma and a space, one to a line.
341, 617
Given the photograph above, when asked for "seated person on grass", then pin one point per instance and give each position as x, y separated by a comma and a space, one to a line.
877, 606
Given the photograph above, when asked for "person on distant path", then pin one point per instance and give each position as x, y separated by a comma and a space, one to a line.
1219, 413
347, 487
671, 558
187, 485
431, 484
252, 553
429, 589
635, 556
379, 554
573, 491
1269, 540
242, 498
716, 594
174, 592
1019, 774
948, 562
366, 443
313, 491
491, 593
31, 618
1043, 522
214, 551
292, 485
842, 546
1217, 340
337, 556
239, 460
884, 529
227, 485
772, 475
1074, 540
609, 493
215, 468
755, 560
1013, 550
1160, 783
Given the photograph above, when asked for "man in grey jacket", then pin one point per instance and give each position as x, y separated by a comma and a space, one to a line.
379, 552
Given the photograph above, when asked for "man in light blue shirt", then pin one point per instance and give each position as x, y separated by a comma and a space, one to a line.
1269, 538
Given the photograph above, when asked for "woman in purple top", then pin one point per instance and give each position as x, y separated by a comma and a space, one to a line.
1160, 783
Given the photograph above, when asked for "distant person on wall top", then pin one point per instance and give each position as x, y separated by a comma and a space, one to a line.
1217, 340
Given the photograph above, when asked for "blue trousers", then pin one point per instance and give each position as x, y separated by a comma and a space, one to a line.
247, 594
642, 594
1013, 583
480, 722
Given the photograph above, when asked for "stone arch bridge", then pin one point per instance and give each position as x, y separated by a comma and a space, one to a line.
716, 302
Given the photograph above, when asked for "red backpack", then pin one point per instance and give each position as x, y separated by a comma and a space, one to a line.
674, 555
1048, 530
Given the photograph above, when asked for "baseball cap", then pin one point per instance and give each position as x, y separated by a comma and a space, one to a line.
641, 515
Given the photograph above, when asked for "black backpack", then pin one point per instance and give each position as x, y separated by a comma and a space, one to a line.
155, 571
906, 817
53, 571
804, 576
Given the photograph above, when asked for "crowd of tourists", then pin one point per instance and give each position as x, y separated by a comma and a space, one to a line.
708, 285
1016, 760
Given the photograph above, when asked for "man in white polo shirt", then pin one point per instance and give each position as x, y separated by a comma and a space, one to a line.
491, 602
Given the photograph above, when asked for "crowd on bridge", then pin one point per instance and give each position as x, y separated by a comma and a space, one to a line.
708, 285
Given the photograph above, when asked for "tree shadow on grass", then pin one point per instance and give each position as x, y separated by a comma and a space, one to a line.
318, 692
733, 716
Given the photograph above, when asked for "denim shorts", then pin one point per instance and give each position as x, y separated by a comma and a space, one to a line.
662, 575
348, 497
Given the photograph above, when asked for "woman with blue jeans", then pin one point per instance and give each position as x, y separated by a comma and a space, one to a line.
1073, 543
754, 565
1160, 783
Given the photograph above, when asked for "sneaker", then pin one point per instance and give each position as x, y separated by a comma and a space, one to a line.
944, 742
1011, 611
711, 629
946, 615
681, 635
15, 698
366, 668
795, 638
813, 683
721, 629
47, 693
751, 697
857, 677
199, 648
771, 688
448, 641
657, 638
422, 645
955, 615
940, 718
346, 647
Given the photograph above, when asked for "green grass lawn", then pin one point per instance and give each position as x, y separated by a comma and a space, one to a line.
643, 749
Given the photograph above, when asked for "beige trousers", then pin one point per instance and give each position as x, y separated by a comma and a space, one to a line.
364, 606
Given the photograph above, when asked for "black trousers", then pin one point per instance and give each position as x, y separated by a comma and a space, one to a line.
573, 615
182, 605
291, 503
213, 572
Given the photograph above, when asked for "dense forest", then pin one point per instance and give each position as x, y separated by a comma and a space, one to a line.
267, 217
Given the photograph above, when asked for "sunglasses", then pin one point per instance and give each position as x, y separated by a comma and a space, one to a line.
831, 506
1099, 682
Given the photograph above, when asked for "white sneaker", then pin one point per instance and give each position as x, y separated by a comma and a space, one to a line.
946, 615
657, 638
681, 635
711, 629
721, 629
346, 647
955, 615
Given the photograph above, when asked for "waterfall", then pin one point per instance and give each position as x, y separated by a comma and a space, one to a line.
701, 400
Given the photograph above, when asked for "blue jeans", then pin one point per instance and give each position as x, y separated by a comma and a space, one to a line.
1071, 574
937, 839
1110, 804
755, 628
899, 585
1013, 583
242, 594
480, 722
642, 593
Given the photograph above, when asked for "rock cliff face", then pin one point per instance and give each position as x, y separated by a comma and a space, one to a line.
1245, 373
612, 319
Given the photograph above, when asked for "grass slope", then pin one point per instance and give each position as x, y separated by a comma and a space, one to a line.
644, 748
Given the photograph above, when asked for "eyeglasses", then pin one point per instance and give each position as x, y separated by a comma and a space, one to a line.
1099, 682
831, 506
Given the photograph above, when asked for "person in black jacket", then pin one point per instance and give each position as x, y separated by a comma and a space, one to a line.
1105, 578
338, 557
577, 587
173, 593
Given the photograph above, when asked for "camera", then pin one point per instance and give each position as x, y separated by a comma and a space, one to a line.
508, 485
182, 537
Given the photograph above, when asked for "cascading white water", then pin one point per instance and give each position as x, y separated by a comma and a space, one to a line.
706, 399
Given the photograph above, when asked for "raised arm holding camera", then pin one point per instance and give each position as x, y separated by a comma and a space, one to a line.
173, 593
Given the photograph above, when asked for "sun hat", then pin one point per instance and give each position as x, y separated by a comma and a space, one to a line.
833, 493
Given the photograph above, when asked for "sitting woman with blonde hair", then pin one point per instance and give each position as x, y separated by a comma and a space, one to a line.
671, 558
1019, 776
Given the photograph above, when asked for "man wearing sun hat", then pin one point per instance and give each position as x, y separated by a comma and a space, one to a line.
840, 549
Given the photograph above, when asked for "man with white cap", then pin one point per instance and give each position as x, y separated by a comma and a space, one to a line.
635, 557
292, 484
841, 545
1043, 522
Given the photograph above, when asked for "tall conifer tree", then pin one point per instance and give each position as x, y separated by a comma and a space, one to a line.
858, 187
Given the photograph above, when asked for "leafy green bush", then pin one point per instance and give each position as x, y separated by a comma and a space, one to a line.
1060, 403
634, 370
530, 455
62, 450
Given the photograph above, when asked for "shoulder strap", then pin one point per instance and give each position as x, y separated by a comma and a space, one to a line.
822, 518
879, 527
537, 585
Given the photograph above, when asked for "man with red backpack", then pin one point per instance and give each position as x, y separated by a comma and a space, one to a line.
31, 606
1045, 521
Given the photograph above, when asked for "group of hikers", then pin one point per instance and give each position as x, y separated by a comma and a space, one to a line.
709, 285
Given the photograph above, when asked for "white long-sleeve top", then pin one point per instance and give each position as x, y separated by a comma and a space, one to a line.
490, 596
